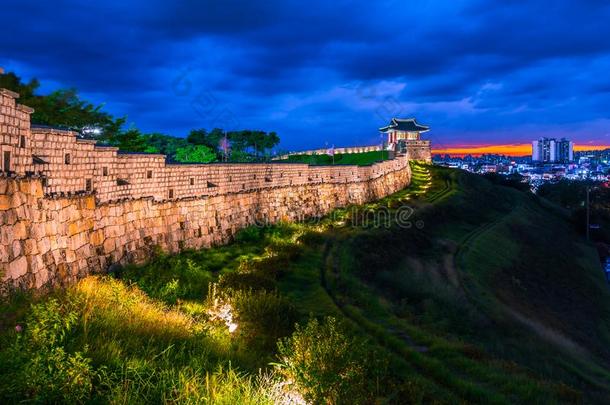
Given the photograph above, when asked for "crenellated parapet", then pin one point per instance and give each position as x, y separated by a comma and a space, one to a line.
69, 165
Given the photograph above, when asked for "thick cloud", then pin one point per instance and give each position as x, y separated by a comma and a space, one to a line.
320, 71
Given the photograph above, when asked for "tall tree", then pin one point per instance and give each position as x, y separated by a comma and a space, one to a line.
239, 139
62, 107
214, 137
272, 139
13, 82
131, 140
165, 144
239, 156
195, 154
198, 137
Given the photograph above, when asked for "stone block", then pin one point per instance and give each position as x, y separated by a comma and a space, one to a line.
5, 202
73, 228
41, 278
44, 245
90, 202
17, 268
97, 237
70, 256
19, 230
17, 248
109, 246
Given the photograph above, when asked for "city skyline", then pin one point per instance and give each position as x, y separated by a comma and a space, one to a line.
523, 149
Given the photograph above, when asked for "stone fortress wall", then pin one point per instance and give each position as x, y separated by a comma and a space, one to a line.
69, 207
419, 150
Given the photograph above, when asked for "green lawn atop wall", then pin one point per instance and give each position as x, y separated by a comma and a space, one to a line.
480, 295
360, 159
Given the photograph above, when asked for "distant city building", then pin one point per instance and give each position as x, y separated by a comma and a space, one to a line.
404, 136
565, 150
548, 150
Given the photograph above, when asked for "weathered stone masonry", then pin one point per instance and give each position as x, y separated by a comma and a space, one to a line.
69, 208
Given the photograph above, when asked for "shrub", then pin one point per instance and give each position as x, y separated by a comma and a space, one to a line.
170, 278
49, 323
52, 375
263, 316
329, 365
42, 369
249, 234
170, 291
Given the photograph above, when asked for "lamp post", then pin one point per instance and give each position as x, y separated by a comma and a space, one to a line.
588, 212
589, 225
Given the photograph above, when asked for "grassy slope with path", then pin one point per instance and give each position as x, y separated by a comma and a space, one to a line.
470, 340
483, 296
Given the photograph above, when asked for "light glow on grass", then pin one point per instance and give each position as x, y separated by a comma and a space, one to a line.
284, 393
232, 326
223, 312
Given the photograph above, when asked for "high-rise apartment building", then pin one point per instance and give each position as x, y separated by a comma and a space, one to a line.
552, 150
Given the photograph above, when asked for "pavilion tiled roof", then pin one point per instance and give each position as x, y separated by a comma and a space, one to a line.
408, 125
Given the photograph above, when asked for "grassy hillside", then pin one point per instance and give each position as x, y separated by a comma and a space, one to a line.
360, 159
475, 294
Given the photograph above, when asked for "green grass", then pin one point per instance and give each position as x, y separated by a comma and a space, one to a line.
360, 159
136, 349
475, 304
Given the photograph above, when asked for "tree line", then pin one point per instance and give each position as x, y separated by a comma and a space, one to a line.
65, 109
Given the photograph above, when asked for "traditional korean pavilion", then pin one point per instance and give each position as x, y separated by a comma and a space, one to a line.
404, 129
404, 136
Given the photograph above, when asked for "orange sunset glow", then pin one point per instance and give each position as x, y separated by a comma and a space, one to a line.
522, 149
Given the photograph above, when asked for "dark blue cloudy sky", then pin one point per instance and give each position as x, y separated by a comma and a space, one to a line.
477, 72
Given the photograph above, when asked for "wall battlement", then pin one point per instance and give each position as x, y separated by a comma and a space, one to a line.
69, 207
69, 165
